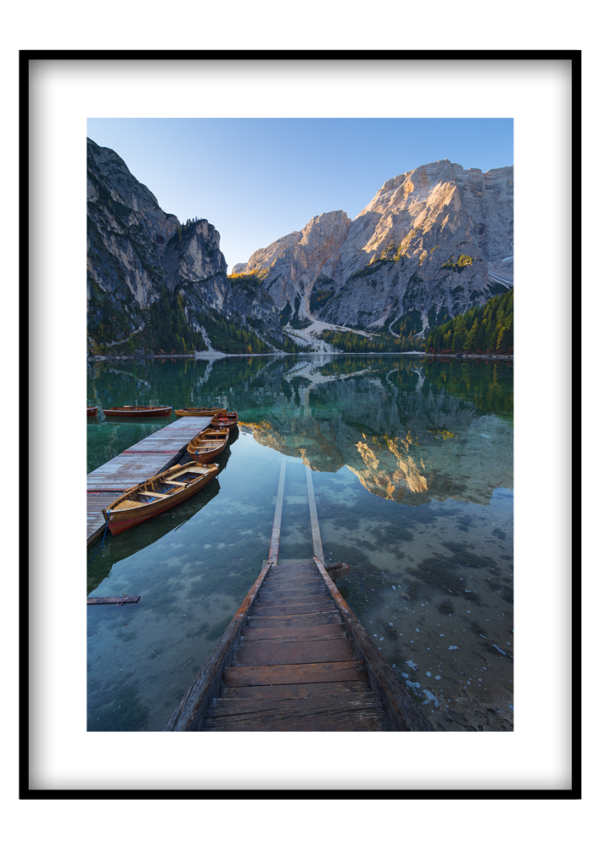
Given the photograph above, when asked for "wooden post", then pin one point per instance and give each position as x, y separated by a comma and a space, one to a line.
118, 600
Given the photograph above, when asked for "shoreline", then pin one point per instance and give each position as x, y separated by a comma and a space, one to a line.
471, 356
199, 355
218, 355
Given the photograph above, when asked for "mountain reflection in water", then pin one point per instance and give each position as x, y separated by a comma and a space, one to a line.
414, 491
400, 430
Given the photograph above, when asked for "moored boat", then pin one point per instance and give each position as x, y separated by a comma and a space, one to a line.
138, 412
157, 494
201, 411
92, 411
227, 420
208, 444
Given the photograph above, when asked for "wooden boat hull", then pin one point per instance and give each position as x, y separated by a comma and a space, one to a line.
208, 445
201, 411
138, 412
92, 411
229, 421
124, 513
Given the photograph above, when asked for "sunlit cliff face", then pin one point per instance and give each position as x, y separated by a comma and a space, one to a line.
379, 475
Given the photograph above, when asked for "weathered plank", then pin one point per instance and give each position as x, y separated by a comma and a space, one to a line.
265, 653
175, 434
297, 577
295, 564
287, 574
354, 722
304, 673
310, 707
341, 689
289, 585
294, 593
291, 621
300, 596
267, 608
127, 470
316, 632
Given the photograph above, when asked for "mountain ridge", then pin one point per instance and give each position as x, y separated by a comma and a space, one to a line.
432, 243
392, 243
142, 261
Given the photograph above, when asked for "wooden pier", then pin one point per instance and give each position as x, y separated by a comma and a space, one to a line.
295, 658
141, 461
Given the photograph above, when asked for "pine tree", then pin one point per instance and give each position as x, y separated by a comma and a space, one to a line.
470, 339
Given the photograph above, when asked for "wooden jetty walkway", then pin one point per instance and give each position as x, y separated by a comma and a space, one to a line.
295, 658
141, 461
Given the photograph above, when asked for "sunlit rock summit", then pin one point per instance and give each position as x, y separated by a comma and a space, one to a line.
432, 243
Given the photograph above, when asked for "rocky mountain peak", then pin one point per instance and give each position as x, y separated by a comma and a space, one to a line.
423, 246
152, 277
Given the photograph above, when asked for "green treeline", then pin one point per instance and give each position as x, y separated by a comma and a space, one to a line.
353, 343
169, 327
482, 330
166, 330
229, 337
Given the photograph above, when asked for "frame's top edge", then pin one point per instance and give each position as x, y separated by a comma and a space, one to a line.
199, 55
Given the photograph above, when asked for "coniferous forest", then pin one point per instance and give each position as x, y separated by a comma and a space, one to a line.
487, 329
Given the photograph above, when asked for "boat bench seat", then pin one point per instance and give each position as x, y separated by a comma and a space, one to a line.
125, 505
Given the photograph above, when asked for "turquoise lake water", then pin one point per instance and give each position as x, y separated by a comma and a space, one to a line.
412, 463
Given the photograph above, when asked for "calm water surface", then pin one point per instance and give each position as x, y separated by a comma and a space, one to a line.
412, 465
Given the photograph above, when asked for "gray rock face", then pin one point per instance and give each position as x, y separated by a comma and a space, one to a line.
432, 243
294, 262
127, 234
426, 244
137, 253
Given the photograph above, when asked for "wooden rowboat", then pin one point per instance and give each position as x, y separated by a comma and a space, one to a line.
208, 445
138, 412
92, 411
227, 420
157, 494
201, 411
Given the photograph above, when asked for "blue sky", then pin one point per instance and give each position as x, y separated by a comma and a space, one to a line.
258, 179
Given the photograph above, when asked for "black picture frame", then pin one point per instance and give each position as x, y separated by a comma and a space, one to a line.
26, 57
